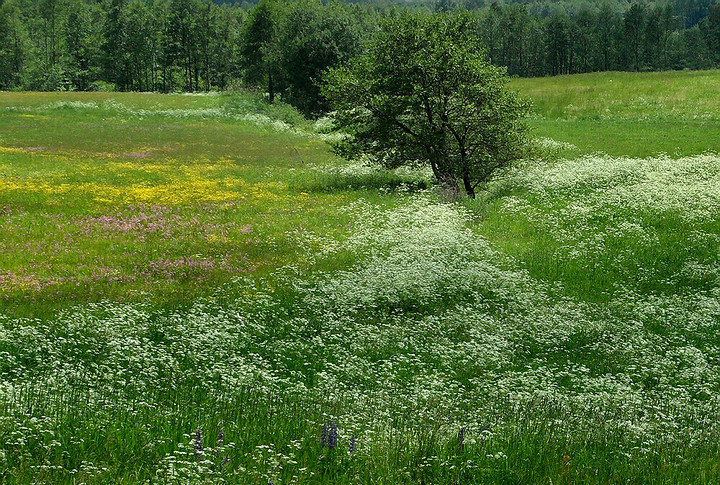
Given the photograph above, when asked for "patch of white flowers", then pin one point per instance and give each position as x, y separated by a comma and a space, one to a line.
599, 208
433, 323
364, 168
553, 145
218, 113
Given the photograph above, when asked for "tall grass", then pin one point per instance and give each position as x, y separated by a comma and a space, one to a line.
192, 294
422, 336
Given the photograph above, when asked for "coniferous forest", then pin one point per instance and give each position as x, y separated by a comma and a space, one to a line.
282, 48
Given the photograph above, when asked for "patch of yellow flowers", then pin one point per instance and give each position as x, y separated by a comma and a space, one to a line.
177, 193
184, 184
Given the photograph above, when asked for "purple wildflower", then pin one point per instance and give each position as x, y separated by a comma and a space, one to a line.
333, 436
324, 436
198, 442
461, 438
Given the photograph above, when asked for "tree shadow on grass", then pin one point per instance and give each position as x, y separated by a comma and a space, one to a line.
383, 181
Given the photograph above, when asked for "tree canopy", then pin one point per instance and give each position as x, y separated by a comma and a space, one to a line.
282, 46
424, 92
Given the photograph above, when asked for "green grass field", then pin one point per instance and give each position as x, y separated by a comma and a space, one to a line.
629, 114
191, 287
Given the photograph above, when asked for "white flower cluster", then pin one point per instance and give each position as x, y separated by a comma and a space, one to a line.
553, 145
217, 113
432, 324
604, 211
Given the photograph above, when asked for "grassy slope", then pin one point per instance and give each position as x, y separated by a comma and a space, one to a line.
579, 346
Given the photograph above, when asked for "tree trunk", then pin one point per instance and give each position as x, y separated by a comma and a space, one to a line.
271, 87
469, 189
449, 188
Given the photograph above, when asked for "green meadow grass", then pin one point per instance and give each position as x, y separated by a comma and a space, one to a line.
628, 114
670, 95
92, 193
191, 287
669, 115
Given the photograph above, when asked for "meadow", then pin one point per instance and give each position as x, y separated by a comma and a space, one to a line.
193, 289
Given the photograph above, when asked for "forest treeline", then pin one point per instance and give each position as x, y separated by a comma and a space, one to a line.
283, 47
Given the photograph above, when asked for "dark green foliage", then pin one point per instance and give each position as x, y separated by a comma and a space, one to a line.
114, 58
424, 92
183, 47
558, 37
313, 39
711, 30
259, 38
83, 37
137, 47
634, 26
12, 44
281, 48
49, 12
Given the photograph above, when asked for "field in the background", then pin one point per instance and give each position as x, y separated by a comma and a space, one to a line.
192, 287
629, 114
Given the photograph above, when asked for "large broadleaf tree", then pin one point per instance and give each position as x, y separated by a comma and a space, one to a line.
424, 91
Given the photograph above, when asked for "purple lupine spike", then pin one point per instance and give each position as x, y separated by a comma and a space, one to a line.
324, 436
333, 436
461, 438
352, 445
219, 442
198, 442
